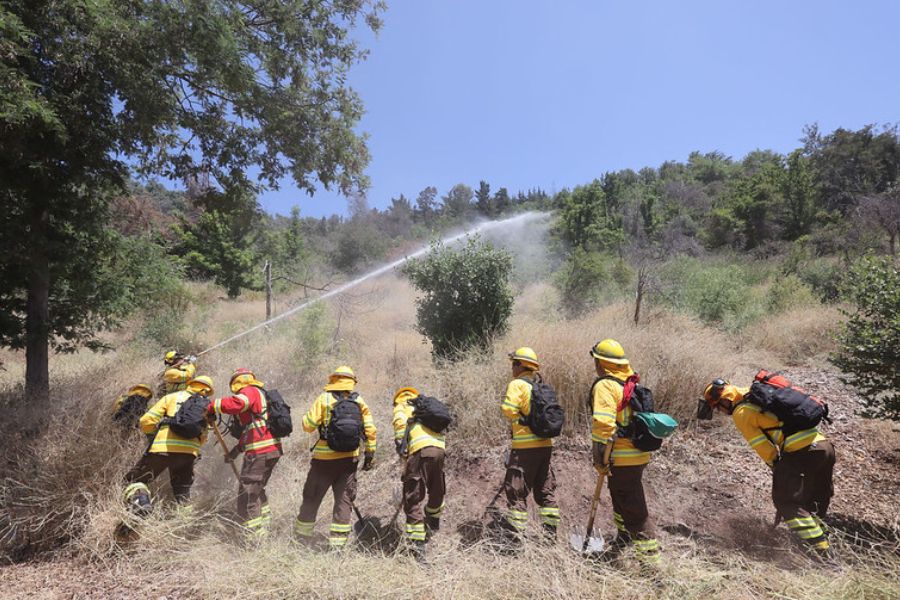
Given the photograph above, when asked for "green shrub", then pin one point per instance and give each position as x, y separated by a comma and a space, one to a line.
788, 292
314, 334
581, 282
870, 341
466, 299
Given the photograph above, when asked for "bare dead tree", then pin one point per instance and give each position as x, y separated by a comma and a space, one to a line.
883, 211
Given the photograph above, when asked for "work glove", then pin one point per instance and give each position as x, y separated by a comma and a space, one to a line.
369, 460
191, 359
398, 446
597, 452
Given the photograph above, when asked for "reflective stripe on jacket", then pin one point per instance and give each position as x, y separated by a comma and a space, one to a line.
762, 429
320, 414
606, 418
250, 407
419, 435
516, 404
165, 439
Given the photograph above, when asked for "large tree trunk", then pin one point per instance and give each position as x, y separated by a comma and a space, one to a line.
37, 316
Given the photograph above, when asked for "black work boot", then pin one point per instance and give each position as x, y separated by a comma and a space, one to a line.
140, 505
549, 533
417, 551
432, 524
616, 546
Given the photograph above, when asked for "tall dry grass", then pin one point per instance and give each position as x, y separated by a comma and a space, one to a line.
61, 483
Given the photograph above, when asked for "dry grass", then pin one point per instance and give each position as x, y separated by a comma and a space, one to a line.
61, 486
798, 336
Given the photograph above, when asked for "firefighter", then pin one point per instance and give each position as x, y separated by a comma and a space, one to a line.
331, 468
261, 449
626, 463
130, 406
422, 452
167, 450
529, 469
802, 464
179, 369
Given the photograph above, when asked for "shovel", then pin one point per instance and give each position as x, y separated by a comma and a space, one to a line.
228, 457
588, 542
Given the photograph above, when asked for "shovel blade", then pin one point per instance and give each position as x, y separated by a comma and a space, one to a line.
586, 545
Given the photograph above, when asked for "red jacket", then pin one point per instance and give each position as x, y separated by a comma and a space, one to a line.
249, 405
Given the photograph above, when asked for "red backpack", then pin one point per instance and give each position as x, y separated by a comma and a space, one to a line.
796, 409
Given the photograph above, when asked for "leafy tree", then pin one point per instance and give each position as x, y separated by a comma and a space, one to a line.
581, 281
426, 205
458, 201
88, 89
755, 199
870, 341
882, 211
467, 300
216, 246
586, 219
848, 165
798, 190
502, 201
483, 200
399, 216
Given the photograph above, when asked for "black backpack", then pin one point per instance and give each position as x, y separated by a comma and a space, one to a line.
131, 410
277, 416
640, 399
430, 412
546, 418
190, 420
344, 429
796, 409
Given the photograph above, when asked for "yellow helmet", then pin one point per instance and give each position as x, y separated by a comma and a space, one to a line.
171, 357
242, 378
342, 379
407, 392
202, 385
141, 389
609, 350
527, 357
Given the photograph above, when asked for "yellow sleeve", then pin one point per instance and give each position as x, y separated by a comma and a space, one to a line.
400, 419
316, 414
603, 411
511, 405
368, 424
150, 420
181, 374
750, 422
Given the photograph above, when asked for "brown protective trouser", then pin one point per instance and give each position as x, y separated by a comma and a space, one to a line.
340, 476
530, 471
802, 488
424, 474
626, 489
255, 472
181, 472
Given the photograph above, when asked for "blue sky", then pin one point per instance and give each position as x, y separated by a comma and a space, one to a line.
552, 94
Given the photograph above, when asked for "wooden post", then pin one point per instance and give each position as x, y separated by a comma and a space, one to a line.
268, 270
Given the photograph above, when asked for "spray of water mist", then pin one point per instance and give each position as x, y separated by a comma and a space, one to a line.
518, 220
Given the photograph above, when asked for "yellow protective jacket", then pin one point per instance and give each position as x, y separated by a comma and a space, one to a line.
176, 379
762, 429
320, 414
165, 439
419, 435
606, 419
516, 404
